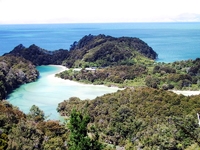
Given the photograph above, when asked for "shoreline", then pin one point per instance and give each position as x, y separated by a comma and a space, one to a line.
63, 68
53, 78
186, 93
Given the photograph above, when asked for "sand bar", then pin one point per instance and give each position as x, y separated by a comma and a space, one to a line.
58, 80
186, 93
53, 78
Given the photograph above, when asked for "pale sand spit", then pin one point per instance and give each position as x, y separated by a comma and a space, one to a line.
186, 93
63, 68
57, 80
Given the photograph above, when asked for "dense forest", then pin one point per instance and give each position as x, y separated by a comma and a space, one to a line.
19, 131
142, 118
102, 51
33, 131
180, 75
39, 56
15, 71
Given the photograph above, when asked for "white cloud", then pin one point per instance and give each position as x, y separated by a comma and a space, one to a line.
52, 11
187, 17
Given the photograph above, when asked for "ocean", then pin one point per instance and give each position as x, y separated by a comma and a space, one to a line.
172, 41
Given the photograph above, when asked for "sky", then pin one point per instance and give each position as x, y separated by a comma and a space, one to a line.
98, 11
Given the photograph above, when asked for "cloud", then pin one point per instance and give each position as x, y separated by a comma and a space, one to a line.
78, 11
187, 17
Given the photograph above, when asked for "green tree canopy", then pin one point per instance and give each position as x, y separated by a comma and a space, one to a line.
79, 139
36, 114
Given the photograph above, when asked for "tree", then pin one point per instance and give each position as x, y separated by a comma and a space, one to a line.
152, 82
36, 114
79, 139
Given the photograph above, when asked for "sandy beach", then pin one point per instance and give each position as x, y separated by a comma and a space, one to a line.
63, 68
186, 93
58, 80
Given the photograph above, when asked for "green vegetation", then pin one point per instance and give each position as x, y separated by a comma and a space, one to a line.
143, 118
182, 75
19, 131
117, 75
15, 71
32, 131
103, 51
79, 139
39, 56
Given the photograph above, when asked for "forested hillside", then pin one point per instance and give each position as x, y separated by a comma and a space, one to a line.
19, 131
39, 56
15, 71
101, 51
142, 118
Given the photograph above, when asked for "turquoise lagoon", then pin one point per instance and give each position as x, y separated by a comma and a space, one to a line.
48, 91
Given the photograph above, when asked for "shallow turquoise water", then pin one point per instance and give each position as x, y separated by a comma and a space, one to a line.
47, 92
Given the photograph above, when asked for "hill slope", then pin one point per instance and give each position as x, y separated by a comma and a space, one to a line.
15, 71
104, 50
145, 118
39, 56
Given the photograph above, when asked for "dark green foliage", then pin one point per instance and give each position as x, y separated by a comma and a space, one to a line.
195, 69
110, 54
152, 82
39, 56
36, 114
117, 74
19, 131
148, 118
79, 139
104, 50
177, 75
15, 71
163, 69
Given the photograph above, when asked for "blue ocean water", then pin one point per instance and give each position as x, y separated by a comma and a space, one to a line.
48, 91
172, 41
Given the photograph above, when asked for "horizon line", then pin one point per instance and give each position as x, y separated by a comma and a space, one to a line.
98, 22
